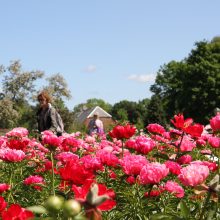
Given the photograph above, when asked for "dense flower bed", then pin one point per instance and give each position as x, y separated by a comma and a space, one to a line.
127, 174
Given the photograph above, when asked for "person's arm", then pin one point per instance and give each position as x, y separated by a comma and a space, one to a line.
54, 124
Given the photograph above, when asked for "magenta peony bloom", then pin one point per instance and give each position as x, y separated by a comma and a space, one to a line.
173, 167
152, 173
11, 155
33, 180
132, 164
214, 142
185, 159
174, 188
51, 140
4, 187
215, 123
155, 128
193, 174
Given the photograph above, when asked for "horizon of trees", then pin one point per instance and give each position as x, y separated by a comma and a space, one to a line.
190, 86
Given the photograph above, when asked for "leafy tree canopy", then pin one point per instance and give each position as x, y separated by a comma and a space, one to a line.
191, 86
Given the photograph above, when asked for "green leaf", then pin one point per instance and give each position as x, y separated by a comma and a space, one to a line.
164, 217
37, 209
163, 156
185, 211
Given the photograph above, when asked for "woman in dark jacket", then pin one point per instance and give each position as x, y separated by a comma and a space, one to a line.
47, 116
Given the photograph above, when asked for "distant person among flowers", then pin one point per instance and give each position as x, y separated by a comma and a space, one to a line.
47, 116
95, 126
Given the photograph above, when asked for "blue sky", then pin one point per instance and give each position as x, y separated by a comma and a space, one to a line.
109, 50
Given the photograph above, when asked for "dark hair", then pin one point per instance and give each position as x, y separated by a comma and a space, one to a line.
45, 95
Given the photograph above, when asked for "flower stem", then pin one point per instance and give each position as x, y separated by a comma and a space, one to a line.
52, 179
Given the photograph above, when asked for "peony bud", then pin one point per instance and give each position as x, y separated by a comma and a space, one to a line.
71, 208
54, 203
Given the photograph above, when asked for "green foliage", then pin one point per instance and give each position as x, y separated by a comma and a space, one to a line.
9, 116
191, 86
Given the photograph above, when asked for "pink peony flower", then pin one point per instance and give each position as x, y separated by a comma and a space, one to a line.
4, 187
155, 128
193, 174
215, 123
185, 159
173, 167
214, 142
17, 132
174, 188
11, 155
33, 180
51, 141
132, 164
152, 173
66, 156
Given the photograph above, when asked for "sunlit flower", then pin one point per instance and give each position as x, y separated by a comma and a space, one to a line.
4, 187
132, 164
156, 128
15, 211
215, 123
11, 155
122, 132
193, 174
174, 188
17, 132
152, 173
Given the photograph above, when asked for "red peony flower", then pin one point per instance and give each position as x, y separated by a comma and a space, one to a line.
3, 204
194, 130
75, 172
81, 193
123, 132
155, 128
15, 211
4, 187
180, 122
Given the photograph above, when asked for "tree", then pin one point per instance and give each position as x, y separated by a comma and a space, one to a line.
90, 103
191, 86
58, 87
8, 115
18, 84
126, 110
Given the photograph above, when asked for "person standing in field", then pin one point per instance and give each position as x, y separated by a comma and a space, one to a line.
47, 116
95, 126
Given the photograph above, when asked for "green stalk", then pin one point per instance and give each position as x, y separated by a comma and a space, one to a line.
52, 179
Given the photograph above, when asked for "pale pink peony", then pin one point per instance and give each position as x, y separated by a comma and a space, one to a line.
174, 188
132, 164
193, 174
186, 145
11, 155
152, 173
215, 123
17, 132
211, 165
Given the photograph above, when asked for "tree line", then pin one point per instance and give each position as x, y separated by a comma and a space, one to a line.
190, 86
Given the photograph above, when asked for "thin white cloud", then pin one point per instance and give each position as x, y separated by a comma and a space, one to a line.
142, 78
90, 68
